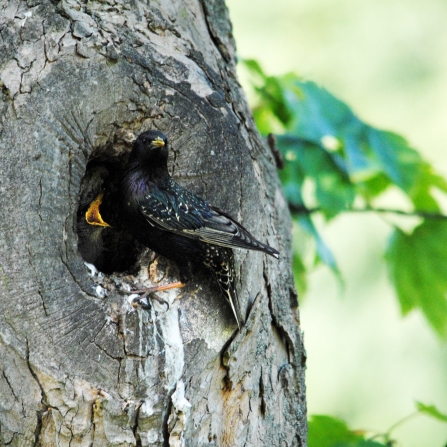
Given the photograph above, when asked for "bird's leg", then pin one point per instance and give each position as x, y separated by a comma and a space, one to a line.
172, 285
152, 290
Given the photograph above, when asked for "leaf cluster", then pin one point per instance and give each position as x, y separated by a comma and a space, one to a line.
335, 163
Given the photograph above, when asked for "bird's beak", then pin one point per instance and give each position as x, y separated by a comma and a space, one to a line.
93, 216
158, 142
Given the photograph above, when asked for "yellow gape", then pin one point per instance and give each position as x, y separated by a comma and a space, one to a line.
93, 216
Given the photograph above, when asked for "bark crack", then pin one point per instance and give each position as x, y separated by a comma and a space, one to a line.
224, 356
43, 303
263, 405
134, 427
220, 46
92, 420
75, 280
211, 75
44, 401
165, 423
100, 347
285, 336
10, 386
39, 212
30, 257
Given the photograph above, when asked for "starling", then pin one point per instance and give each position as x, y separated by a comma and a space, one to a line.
102, 239
99, 243
177, 224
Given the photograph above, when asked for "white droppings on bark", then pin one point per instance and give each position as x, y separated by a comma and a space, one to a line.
178, 417
130, 299
174, 353
179, 401
100, 292
92, 269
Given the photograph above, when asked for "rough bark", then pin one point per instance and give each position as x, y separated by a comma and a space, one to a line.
78, 366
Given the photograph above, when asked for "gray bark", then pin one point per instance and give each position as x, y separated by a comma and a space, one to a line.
82, 369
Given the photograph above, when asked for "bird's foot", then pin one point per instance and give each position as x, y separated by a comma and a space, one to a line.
139, 301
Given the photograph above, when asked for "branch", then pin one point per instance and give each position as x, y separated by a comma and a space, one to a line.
302, 209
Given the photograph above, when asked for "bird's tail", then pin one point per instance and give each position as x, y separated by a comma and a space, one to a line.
225, 276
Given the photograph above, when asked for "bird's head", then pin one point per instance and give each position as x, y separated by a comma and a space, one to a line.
150, 149
151, 141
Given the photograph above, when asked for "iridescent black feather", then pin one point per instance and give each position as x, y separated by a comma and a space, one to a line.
176, 223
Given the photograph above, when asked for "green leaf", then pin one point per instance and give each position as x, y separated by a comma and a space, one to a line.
254, 67
371, 159
397, 159
421, 193
317, 113
326, 121
266, 121
324, 254
271, 92
360, 160
292, 178
333, 189
437, 181
418, 268
432, 411
374, 186
327, 431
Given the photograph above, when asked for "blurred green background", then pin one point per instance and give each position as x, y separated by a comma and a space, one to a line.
388, 61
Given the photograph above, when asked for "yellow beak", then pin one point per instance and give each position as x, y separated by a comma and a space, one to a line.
158, 142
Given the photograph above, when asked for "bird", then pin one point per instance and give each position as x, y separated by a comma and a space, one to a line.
110, 248
105, 246
176, 223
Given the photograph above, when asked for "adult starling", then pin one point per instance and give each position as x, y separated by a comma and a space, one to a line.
177, 224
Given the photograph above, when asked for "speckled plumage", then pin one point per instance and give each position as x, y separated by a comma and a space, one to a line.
176, 223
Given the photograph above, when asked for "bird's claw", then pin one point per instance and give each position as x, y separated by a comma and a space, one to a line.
144, 304
151, 291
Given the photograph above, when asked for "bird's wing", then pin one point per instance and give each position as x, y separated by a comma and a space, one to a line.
167, 210
179, 211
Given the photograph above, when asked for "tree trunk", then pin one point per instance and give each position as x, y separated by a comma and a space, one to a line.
78, 365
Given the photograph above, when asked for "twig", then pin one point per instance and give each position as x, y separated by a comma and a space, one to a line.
301, 209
